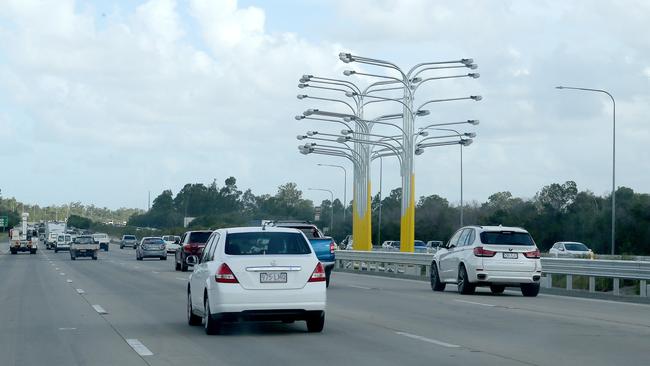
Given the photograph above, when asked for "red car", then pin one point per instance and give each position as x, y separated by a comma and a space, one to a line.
192, 243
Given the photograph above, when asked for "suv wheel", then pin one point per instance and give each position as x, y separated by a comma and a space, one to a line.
464, 286
530, 289
183, 264
436, 285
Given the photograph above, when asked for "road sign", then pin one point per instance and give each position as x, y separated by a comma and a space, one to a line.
4, 220
317, 213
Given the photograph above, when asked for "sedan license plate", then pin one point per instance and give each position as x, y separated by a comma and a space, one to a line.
273, 277
510, 255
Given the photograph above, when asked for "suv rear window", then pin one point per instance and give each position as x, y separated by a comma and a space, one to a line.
129, 237
261, 243
506, 238
199, 237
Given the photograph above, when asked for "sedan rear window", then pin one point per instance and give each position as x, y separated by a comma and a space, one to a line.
153, 241
129, 237
576, 247
262, 243
506, 238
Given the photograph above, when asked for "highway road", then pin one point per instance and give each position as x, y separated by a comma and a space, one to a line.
119, 311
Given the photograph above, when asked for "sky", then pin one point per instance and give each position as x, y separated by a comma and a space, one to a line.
103, 101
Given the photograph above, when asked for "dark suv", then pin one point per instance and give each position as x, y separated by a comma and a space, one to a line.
192, 243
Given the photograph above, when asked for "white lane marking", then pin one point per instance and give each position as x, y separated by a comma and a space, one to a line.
80, 291
56, 269
67, 328
100, 309
595, 300
139, 348
475, 303
155, 272
62, 274
428, 340
181, 278
361, 287
68, 280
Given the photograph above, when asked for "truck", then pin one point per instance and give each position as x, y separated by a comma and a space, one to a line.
323, 246
103, 240
23, 239
84, 246
52, 231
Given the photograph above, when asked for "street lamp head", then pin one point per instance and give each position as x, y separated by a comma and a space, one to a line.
422, 112
345, 57
472, 66
307, 77
312, 133
419, 151
349, 72
467, 61
298, 118
301, 137
303, 85
559, 87
350, 94
301, 96
423, 133
466, 142
309, 145
470, 134
416, 80
309, 112
346, 132
473, 122
349, 118
476, 97
474, 75
343, 139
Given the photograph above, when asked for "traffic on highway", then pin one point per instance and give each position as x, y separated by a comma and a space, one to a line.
367, 183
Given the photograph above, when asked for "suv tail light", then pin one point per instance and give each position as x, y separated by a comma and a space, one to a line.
532, 255
318, 275
225, 275
480, 252
332, 246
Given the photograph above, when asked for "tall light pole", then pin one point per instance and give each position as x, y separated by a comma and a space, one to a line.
345, 185
613, 155
331, 206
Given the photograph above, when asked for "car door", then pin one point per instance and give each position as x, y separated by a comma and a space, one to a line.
445, 257
458, 253
201, 272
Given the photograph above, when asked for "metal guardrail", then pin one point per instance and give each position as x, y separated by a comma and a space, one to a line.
416, 265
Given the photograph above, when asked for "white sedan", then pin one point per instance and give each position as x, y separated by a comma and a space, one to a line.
256, 274
570, 249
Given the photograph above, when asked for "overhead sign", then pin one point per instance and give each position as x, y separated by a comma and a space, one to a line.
4, 221
317, 213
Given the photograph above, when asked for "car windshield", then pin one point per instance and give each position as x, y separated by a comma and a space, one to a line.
84, 240
199, 237
153, 241
261, 243
576, 247
506, 238
100, 236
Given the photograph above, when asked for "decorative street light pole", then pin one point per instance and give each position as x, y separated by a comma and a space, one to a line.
613, 155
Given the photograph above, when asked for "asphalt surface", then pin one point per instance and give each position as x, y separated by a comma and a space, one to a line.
44, 320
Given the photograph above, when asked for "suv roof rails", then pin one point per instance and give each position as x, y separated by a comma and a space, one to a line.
290, 222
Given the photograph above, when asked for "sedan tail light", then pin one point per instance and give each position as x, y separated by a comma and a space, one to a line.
481, 252
224, 275
532, 255
332, 246
318, 275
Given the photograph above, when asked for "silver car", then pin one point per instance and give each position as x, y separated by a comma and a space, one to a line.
151, 247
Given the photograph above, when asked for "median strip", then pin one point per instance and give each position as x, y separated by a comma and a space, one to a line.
428, 340
139, 348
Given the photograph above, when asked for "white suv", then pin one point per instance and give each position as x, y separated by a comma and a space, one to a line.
258, 274
494, 256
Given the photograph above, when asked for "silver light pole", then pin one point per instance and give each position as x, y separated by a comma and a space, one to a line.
345, 185
331, 206
613, 155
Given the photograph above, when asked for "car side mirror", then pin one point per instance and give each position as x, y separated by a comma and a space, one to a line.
561, 249
95, 242
192, 260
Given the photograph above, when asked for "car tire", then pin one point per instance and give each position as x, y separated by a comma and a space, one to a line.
316, 323
192, 319
121, 246
56, 250
13, 251
211, 323
94, 256
73, 256
328, 273
177, 266
464, 286
497, 289
436, 285
530, 289
183, 265
32, 251
138, 258
163, 258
